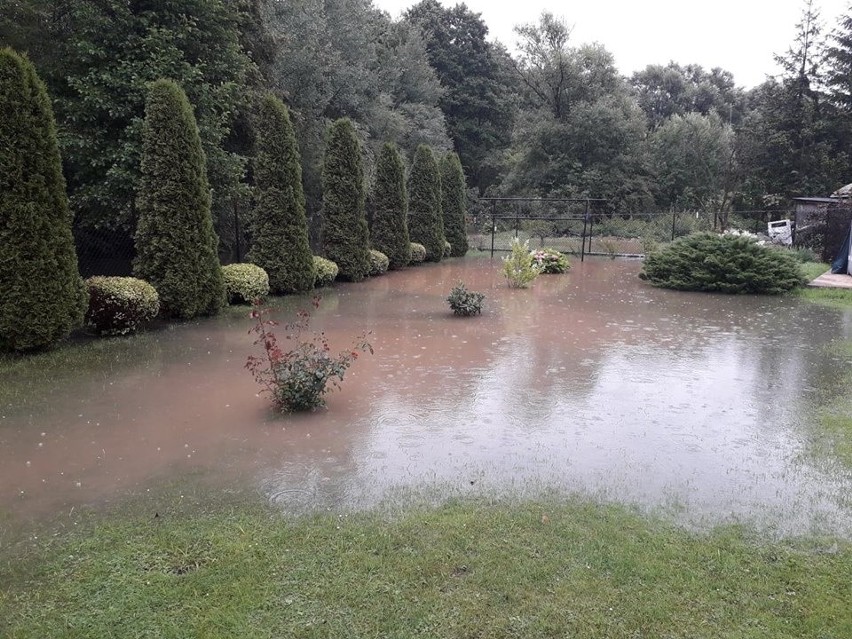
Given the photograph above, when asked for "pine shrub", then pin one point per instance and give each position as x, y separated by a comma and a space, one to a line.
176, 247
453, 204
280, 229
425, 225
389, 231
326, 271
722, 263
245, 283
42, 297
120, 305
345, 234
379, 262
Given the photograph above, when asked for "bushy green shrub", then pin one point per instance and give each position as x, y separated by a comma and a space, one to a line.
550, 261
454, 204
42, 298
176, 247
345, 237
326, 271
519, 268
464, 302
417, 253
389, 230
722, 263
280, 229
245, 283
425, 223
378, 262
120, 305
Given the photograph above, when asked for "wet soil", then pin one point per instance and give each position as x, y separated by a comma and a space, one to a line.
589, 383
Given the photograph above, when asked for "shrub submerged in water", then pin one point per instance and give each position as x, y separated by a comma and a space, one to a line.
550, 261
519, 268
722, 263
299, 378
464, 302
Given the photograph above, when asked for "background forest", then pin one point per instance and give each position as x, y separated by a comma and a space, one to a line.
553, 118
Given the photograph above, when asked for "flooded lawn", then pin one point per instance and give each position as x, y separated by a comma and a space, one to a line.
589, 383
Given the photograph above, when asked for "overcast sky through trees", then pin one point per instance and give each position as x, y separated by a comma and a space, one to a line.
740, 36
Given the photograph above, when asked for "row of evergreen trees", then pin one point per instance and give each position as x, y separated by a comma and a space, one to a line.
175, 238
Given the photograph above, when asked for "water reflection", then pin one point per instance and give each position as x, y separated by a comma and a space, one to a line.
590, 382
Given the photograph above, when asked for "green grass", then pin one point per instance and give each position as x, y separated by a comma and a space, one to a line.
836, 297
462, 570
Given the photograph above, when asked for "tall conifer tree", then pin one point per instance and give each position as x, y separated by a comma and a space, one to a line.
280, 239
176, 247
425, 224
453, 203
389, 232
346, 239
41, 294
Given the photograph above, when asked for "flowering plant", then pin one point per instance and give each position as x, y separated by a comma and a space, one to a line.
298, 378
519, 268
550, 261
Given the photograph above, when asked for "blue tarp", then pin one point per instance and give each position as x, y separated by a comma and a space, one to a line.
841, 262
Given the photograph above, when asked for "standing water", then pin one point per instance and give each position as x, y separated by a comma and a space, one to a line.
589, 383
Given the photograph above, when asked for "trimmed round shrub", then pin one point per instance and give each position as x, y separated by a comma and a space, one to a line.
550, 261
120, 305
245, 283
42, 298
326, 271
722, 263
418, 253
379, 262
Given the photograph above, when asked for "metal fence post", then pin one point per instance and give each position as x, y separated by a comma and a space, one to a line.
493, 224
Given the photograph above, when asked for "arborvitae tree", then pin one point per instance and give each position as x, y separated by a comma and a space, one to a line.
389, 231
280, 239
346, 239
425, 224
175, 242
42, 297
454, 203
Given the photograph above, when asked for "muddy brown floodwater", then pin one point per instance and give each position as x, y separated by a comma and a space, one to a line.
590, 383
